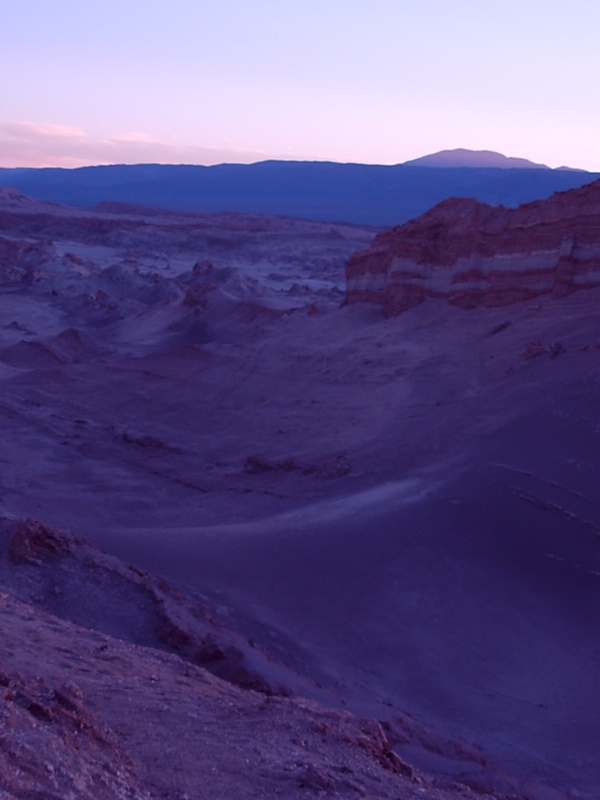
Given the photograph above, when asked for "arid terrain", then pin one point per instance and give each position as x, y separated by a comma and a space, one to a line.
259, 541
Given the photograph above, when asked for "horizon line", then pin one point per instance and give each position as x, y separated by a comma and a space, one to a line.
409, 164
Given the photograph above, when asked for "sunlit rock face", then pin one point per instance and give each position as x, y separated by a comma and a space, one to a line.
472, 254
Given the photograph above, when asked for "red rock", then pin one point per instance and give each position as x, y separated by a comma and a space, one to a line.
34, 542
472, 254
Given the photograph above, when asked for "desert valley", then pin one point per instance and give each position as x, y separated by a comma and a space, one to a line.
296, 508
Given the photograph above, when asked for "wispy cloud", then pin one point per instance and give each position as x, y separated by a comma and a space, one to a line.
26, 144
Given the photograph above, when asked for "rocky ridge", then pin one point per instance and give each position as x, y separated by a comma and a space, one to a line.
472, 254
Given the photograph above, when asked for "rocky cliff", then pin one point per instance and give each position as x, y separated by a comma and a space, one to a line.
472, 254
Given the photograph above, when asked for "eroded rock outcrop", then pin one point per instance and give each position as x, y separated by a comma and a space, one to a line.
93, 705
73, 579
472, 254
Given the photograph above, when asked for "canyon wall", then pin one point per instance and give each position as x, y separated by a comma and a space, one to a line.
472, 254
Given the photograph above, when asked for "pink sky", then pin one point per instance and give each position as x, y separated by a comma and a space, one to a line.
47, 144
381, 82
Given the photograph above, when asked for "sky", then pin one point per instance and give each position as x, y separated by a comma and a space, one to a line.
369, 81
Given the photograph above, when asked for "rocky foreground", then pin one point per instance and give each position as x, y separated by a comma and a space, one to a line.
104, 695
471, 254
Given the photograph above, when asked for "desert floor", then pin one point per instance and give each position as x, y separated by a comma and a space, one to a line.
402, 513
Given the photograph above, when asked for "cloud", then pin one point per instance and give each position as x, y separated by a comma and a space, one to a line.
28, 131
26, 144
134, 137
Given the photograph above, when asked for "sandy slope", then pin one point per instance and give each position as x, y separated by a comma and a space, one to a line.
402, 512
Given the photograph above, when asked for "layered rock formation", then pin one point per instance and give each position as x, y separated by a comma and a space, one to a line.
472, 254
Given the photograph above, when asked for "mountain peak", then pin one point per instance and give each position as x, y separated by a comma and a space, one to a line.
473, 158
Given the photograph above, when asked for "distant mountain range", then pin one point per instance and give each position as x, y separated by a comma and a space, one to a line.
358, 193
